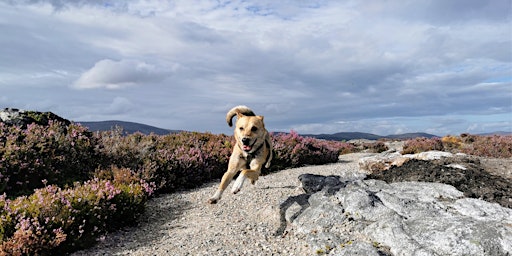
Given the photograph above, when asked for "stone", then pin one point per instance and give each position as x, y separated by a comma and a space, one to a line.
22, 118
381, 162
387, 160
373, 217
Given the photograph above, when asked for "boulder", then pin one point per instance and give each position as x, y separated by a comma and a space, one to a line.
22, 118
372, 217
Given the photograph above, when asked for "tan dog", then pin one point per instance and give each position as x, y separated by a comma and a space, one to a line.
252, 150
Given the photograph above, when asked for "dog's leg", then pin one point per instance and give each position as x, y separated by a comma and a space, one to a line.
251, 174
226, 179
239, 183
233, 167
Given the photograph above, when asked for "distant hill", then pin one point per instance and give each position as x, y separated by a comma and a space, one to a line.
128, 127
344, 136
131, 127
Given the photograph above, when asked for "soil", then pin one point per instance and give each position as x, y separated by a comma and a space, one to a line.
483, 178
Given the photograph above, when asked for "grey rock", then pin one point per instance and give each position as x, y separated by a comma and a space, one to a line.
313, 183
22, 118
384, 161
405, 218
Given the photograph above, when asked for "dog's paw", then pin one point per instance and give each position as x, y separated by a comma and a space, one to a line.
239, 183
213, 200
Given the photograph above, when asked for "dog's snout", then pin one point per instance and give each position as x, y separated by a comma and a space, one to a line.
246, 141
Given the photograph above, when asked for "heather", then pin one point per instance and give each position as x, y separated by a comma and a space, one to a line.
58, 153
496, 146
53, 220
292, 150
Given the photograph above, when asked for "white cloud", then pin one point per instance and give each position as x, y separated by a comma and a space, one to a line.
111, 74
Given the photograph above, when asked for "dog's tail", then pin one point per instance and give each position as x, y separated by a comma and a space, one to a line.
244, 110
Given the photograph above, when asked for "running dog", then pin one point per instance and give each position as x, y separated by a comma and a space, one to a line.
252, 150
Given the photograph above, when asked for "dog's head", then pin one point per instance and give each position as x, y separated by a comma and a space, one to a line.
249, 131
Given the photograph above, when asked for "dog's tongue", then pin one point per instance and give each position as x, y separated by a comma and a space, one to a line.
246, 148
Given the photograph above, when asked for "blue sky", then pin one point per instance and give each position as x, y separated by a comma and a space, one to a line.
384, 67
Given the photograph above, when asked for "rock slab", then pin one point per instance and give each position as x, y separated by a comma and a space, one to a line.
372, 217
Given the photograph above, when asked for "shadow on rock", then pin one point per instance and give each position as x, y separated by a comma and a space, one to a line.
311, 183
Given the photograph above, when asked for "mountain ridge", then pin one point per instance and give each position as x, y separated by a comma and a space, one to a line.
132, 127
128, 127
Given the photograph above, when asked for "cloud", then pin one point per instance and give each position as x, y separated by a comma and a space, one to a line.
111, 74
60, 5
305, 65
119, 105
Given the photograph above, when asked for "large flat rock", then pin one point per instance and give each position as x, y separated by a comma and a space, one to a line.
403, 218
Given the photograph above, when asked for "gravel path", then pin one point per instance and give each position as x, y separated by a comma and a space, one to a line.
242, 224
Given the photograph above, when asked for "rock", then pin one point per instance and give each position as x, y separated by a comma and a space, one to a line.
313, 183
381, 162
385, 161
429, 155
357, 248
22, 118
463, 172
373, 217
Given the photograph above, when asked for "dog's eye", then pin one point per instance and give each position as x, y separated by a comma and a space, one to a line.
241, 128
254, 128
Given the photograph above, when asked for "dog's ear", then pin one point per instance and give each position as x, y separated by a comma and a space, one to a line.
261, 119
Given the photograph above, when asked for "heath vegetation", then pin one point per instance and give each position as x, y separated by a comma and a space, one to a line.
65, 187
494, 146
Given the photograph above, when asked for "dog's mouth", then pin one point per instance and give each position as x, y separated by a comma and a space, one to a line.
246, 144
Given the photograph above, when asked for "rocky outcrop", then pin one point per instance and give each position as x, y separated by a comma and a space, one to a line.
387, 160
372, 217
419, 204
13, 116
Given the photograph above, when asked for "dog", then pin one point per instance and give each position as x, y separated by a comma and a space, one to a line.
252, 150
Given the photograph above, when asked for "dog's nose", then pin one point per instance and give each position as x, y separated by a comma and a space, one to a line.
245, 141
